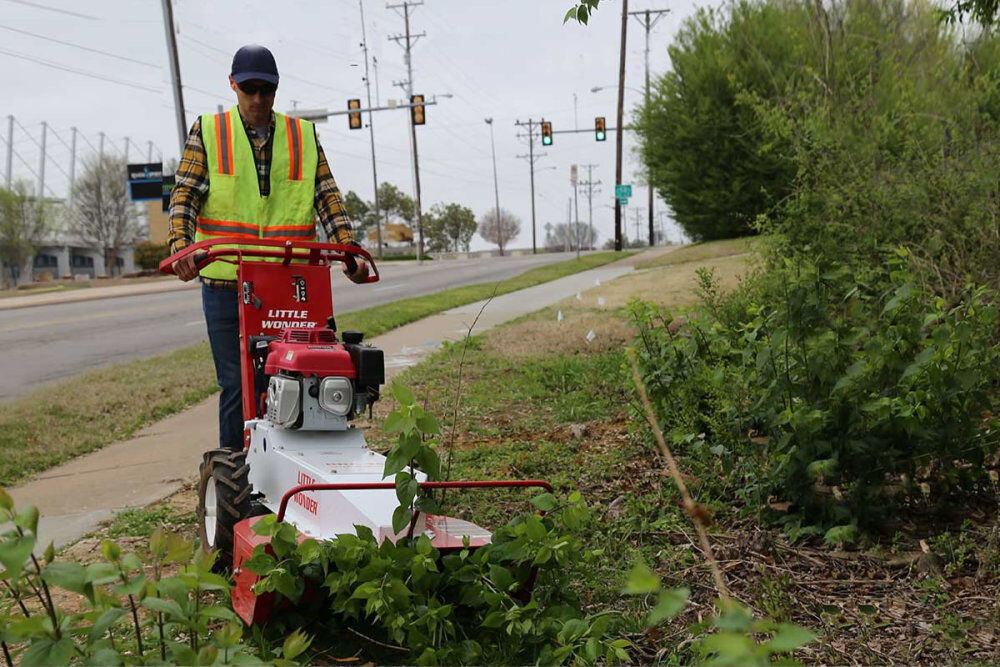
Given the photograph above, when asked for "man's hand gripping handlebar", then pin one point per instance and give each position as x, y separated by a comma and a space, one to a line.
186, 263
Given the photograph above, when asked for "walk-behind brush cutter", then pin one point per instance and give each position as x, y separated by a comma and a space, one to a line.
302, 386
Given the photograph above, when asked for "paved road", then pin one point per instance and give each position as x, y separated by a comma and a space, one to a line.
45, 344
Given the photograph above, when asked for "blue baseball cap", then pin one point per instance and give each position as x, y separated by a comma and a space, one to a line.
254, 62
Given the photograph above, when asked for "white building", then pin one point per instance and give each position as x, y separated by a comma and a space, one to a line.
63, 254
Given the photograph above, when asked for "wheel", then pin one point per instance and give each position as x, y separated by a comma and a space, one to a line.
223, 501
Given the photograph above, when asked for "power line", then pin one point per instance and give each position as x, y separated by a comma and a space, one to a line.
80, 46
79, 72
228, 56
55, 9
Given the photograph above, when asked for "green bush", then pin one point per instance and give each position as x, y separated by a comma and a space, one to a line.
149, 254
829, 389
510, 601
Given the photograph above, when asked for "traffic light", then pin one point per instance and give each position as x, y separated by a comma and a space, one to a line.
417, 111
546, 133
599, 132
354, 119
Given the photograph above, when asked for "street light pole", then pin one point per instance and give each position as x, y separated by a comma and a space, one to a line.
648, 19
496, 186
371, 134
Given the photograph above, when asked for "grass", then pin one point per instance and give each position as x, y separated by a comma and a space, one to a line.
531, 409
56, 423
377, 320
701, 252
41, 288
92, 410
142, 521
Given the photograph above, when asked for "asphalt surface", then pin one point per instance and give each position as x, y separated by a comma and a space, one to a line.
47, 343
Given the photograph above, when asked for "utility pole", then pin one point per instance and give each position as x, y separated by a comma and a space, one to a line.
589, 184
573, 177
531, 157
569, 220
72, 162
618, 130
41, 164
410, 41
149, 151
10, 149
100, 145
175, 74
371, 133
576, 222
496, 186
638, 212
126, 150
648, 19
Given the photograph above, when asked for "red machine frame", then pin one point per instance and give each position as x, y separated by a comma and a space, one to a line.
303, 300
305, 264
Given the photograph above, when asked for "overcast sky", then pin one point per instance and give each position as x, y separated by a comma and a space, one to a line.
506, 59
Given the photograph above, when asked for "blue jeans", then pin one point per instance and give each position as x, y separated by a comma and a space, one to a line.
222, 318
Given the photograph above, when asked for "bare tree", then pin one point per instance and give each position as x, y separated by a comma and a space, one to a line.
499, 231
23, 223
102, 212
566, 236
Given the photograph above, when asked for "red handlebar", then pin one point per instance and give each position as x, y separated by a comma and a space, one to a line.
313, 252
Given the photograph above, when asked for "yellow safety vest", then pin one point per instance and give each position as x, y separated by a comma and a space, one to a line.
234, 206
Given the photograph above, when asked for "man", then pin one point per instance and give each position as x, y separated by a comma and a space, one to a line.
249, 173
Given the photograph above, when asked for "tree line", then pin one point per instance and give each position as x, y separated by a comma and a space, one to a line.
448, 227
101, 215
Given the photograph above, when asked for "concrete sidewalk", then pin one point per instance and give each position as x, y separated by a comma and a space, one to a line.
76, 497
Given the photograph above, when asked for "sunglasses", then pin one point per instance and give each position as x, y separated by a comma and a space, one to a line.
251, 89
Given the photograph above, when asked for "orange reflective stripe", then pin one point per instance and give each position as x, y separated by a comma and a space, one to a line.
224, 142
294, 148
291, 228
227, 228
229, 138
219, 131
289, 232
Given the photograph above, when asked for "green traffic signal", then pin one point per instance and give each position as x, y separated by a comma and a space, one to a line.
546, 141
546, 133
600, 136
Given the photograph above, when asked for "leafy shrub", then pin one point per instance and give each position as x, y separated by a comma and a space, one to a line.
149, 254
828, 388
510, 601
130, 611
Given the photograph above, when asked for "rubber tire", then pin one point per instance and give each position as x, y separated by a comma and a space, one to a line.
228, 472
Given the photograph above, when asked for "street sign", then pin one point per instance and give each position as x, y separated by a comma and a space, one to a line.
152, 171
623, 201
145, 181
315, 115
623, 191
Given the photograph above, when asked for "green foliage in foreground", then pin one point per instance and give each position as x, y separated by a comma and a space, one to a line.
834, 391
129, 611
512, 601
508, 602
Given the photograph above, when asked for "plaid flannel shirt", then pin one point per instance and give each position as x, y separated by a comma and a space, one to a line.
191, 187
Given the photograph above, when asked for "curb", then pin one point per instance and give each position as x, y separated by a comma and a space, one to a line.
88, 294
